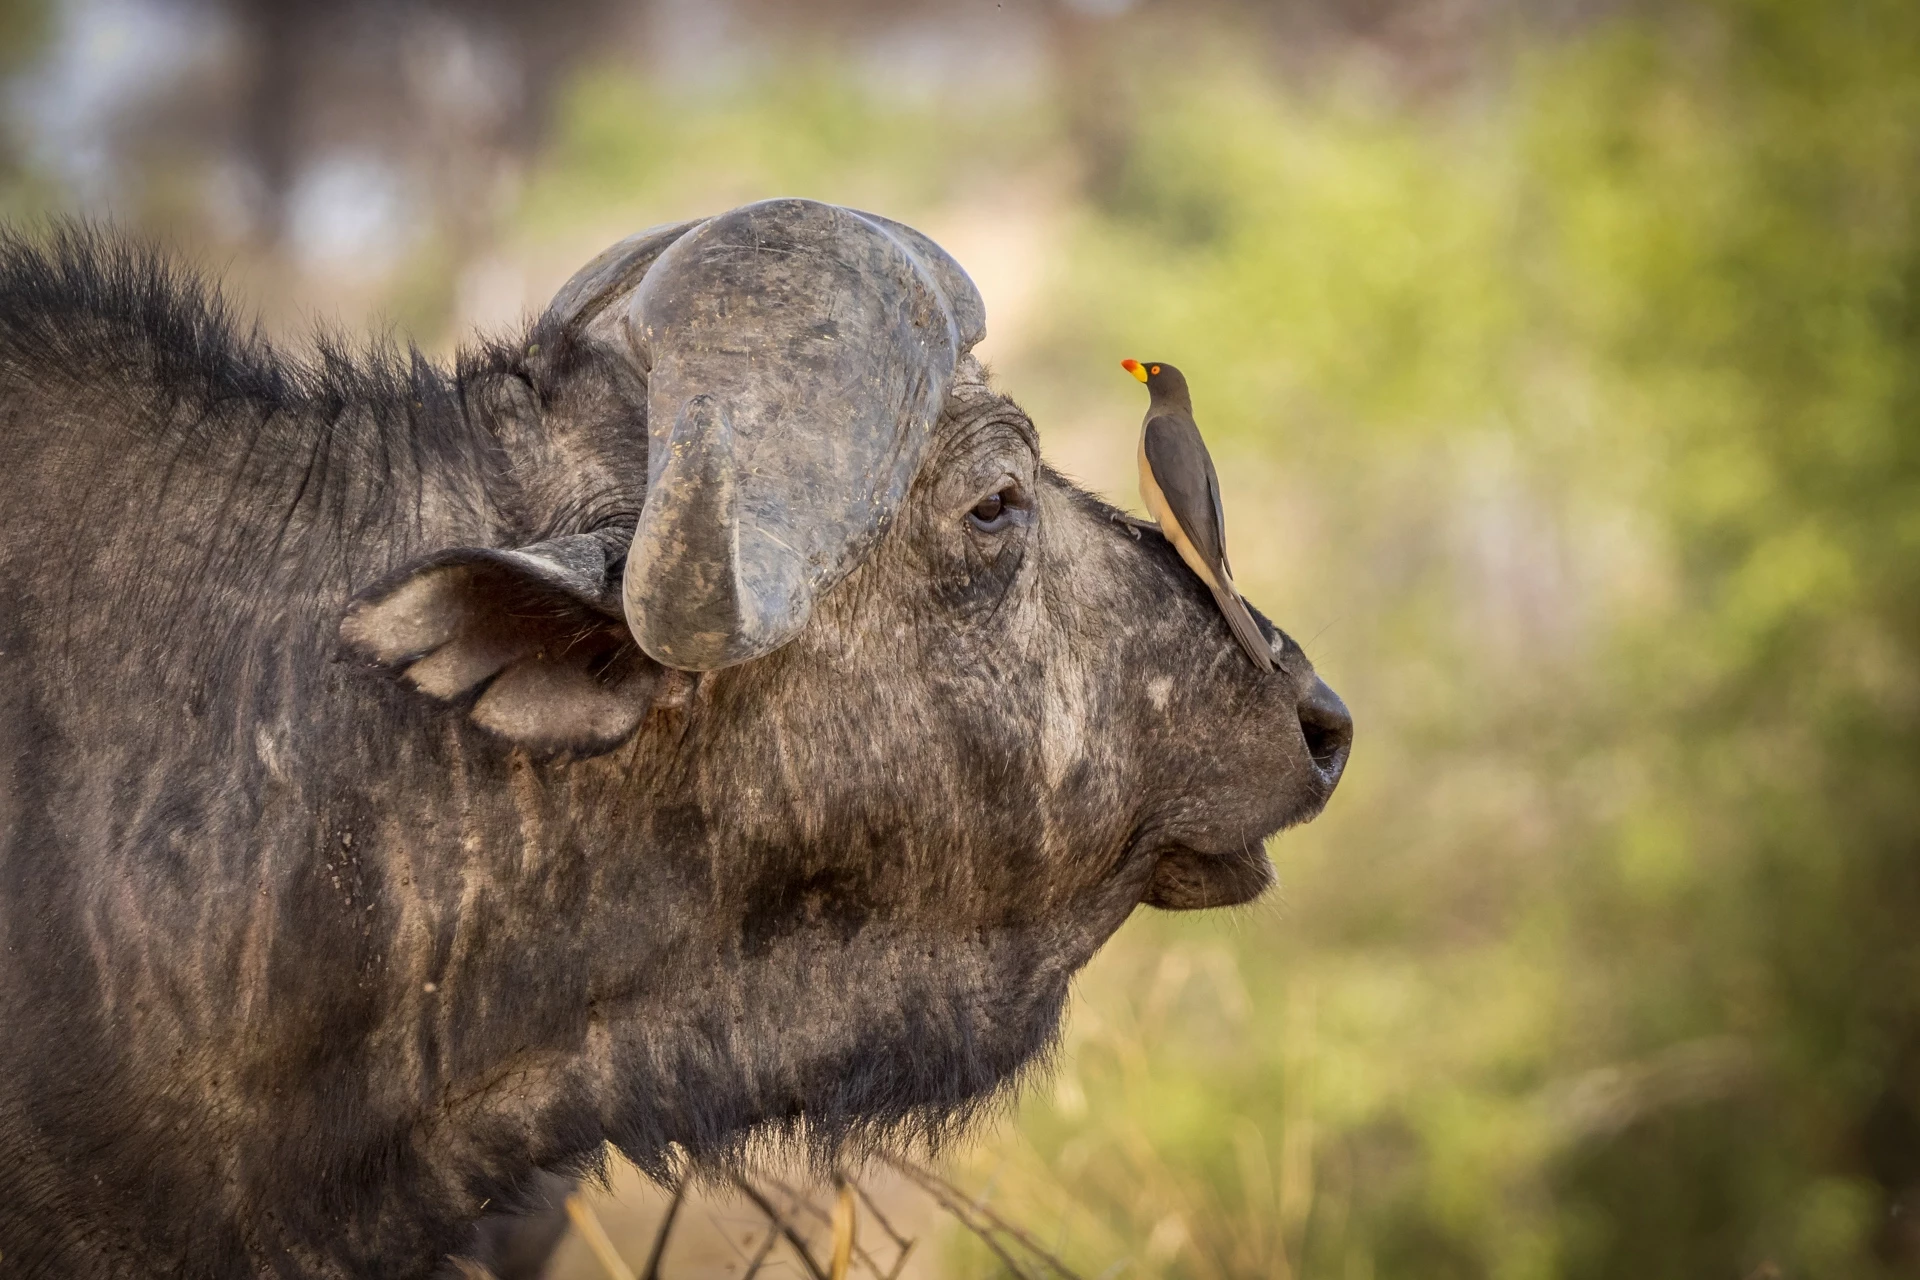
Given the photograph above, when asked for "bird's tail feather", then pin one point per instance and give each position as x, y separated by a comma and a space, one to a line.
1244, 628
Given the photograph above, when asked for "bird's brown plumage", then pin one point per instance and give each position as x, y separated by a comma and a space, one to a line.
1182, 490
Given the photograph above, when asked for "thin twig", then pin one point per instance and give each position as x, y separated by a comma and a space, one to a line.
900, 1262
874, 1209
902, 1243
985, 1237
999, 1223
766, 1247
961, 1214
652, 1269
866, 1258
587, 1223
786, 1228
952, 1197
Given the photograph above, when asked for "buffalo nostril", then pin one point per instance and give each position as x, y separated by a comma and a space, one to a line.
1327, 728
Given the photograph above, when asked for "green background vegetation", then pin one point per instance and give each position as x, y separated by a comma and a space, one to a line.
1589, 406
1569, 414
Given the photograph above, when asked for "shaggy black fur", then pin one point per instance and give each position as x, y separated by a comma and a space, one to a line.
307, 965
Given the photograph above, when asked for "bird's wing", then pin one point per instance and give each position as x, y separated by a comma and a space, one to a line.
1182, 468
1184, 472
1245, 629
1219, 517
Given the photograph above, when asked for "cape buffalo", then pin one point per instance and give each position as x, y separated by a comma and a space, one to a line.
702, 720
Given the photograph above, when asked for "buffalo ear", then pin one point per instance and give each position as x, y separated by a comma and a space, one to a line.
531, 640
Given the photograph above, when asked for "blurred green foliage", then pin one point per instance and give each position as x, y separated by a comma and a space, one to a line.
806, 130
1573, 421
1605, 963
1571, 418
23, 34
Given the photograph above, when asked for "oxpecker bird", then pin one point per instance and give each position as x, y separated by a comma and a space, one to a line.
1177, 481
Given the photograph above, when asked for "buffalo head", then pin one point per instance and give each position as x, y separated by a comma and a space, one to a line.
850, 731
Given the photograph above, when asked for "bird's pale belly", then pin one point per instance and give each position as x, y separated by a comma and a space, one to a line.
1157, 505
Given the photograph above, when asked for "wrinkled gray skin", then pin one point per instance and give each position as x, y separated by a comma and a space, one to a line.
357, 864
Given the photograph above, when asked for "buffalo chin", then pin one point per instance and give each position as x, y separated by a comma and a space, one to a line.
1188, 880
827, 1052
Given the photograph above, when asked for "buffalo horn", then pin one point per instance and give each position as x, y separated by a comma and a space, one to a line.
799, 354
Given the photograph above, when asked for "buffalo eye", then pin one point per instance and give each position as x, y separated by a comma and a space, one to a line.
995, 511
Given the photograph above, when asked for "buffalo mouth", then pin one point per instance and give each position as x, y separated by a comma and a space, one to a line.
1219, 872
1186, 879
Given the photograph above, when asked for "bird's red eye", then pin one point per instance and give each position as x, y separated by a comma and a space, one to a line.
1155, 369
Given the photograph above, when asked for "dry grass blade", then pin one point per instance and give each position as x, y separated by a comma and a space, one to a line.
844, 1227
775, 1216
983, 1222
587, 1223
659, 1249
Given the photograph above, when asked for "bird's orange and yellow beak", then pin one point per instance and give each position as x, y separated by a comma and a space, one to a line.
1135, 368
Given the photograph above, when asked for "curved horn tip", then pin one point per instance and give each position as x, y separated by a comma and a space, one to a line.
615, 268
702, 589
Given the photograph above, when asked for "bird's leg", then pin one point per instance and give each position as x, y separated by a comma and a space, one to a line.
1133, 524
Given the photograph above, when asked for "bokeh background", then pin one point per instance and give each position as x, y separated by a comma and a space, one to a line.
1562, 362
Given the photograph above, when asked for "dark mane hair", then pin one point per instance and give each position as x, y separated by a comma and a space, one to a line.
84, 303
